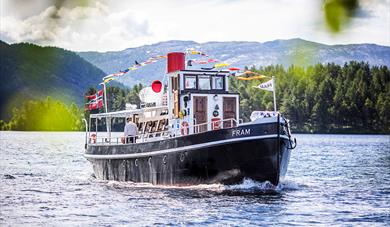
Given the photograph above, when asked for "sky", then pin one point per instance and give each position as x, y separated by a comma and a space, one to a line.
87, 25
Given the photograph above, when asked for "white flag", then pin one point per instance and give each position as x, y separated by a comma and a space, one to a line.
269, 85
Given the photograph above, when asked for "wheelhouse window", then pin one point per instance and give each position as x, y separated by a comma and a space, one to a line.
204, 82
190, 82
217, 82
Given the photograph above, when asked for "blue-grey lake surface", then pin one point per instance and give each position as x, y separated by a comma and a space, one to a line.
332, 180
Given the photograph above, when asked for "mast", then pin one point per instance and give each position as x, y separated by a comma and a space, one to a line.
274, 91
105, 96
108, 120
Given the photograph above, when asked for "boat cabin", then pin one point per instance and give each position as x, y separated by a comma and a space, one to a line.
199, 100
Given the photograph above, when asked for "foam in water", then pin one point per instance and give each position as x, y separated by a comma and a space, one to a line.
248, 185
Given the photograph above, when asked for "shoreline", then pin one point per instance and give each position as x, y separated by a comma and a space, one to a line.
295, 132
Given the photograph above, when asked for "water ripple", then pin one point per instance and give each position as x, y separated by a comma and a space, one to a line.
332, 180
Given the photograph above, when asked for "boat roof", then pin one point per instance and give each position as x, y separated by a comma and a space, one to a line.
126, 113
204, 71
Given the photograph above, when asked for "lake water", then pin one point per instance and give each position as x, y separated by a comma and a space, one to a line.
332, 180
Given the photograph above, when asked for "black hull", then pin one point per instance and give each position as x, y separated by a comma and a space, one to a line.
222, 157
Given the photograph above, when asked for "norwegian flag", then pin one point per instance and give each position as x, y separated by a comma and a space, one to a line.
95, 104
98, 94
95, 101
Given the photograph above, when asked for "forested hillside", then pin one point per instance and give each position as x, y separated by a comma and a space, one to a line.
324, 98
29, 71
348, 98
352, 98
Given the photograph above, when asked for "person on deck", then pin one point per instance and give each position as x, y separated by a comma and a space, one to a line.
130, 131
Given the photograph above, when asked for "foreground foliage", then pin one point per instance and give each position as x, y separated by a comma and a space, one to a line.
45, 115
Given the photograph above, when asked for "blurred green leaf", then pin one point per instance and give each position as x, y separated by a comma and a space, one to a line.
338, 13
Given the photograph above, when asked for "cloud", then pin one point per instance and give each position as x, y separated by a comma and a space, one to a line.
117, 24
73, 27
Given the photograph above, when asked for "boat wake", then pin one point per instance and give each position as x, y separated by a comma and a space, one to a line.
248, 186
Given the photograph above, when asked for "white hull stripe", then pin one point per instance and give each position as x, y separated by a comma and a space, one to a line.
190, 147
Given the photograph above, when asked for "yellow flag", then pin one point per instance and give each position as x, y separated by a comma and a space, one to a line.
252, 78
220, 65
108, 79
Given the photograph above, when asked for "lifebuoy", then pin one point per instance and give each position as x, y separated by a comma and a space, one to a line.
215, 123
184, 128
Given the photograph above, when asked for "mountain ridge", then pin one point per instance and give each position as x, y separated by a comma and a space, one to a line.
284, 52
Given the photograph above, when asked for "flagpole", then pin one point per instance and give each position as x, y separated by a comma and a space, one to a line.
105, 96
108, 124
274, 91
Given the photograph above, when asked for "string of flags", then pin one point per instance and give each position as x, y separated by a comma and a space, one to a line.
191, 62
96, 101
136, 66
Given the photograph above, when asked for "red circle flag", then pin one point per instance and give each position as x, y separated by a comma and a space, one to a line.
156, 86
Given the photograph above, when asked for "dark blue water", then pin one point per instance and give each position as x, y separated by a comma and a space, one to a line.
332, 180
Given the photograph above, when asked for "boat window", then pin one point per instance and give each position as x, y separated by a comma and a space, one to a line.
204, 82
217, 82
190, 82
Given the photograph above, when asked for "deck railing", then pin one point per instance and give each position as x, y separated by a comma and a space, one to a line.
181, 131
203, 127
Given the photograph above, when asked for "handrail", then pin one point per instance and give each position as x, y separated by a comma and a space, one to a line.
86, 133
141, 138
123, 140
213, 124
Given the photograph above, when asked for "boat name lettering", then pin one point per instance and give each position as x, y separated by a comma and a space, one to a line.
241, 132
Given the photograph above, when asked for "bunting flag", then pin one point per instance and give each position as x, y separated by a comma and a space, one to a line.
107, 80
251, 78
268, 86
211, 60
220, 65
210, 68
240, 76
193, 51
234, 69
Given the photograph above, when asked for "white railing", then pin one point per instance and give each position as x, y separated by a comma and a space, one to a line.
93, 139
203, 127
182, 131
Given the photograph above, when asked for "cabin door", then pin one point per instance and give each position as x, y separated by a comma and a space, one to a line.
229, 111
200, 113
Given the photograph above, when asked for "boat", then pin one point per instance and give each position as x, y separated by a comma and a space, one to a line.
193, 136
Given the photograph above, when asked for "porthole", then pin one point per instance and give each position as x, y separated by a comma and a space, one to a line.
136, 162
150, 161
182, 156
